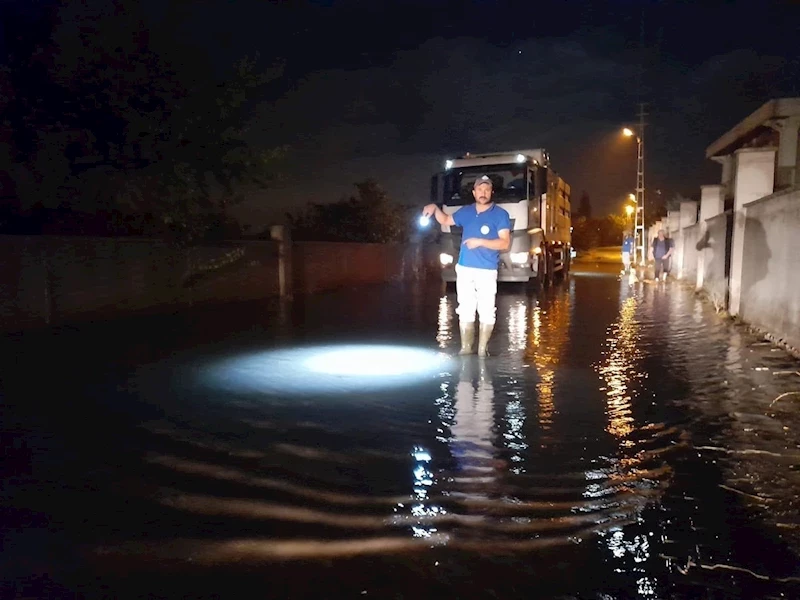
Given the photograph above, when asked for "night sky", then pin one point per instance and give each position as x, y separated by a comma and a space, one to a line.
390, 89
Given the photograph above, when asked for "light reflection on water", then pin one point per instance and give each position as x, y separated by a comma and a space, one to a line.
444, 334
539, 446
618, 370
547, 337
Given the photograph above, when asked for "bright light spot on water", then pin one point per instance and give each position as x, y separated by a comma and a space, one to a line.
421, 455
422, 533
517, 321
423, 480
444, 333
328, 369
370, 361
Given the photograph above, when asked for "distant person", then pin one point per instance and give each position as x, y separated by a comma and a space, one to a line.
662, 251
487, 233
627, 249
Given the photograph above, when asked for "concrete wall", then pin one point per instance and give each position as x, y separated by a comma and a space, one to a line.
56, 280
770, 277
712, 247
324, 265
690, 236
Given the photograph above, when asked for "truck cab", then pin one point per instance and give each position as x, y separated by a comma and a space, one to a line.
536, 198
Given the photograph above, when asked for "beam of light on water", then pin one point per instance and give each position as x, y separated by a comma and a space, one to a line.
326, 369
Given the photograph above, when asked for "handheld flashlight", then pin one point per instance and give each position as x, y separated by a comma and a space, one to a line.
424, 221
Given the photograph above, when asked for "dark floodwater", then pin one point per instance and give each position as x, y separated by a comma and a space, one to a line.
619, 443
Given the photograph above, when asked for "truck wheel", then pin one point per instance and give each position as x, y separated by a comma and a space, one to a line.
545, 269
550, 271
536, 279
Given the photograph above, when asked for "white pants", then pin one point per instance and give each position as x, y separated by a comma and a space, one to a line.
476, 290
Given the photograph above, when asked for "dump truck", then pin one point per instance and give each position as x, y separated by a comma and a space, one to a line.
537, 200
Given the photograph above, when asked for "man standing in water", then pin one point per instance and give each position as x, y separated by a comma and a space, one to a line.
662, 253
487, 233
627, 249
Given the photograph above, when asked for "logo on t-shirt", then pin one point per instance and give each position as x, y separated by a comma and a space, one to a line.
485, 230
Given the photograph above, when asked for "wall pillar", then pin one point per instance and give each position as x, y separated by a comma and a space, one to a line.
755, 178
280, 234
728, 175
786, 173
712, 203
687, 216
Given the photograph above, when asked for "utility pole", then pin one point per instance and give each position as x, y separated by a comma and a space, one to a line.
640, 234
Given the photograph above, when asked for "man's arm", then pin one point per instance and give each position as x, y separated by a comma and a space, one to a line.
502, 243
441, 217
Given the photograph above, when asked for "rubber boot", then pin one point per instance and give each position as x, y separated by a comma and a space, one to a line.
467, 337
483, 340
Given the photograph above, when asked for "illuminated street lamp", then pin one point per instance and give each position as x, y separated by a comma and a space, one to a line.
639, 233
629, 210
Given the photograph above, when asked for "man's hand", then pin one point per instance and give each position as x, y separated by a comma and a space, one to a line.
429, 210
473, 243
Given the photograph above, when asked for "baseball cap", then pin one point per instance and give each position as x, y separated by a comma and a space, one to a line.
482, 179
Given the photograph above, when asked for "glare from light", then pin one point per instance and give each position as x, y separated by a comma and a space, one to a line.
446, 259
519, 257
520, 158
370, 361
333, 369
537, 250
423, 514
448, 164
629, 210
517, 322
424, 221
619, 372
514, 437
444, 333
627, 132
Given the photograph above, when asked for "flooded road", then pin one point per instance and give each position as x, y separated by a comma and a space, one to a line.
622, 441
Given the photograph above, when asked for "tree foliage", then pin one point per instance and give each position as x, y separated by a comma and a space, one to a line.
585, 206
592, 233
368, 216
96, 120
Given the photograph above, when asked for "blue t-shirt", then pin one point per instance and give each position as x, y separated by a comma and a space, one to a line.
627, 244
481, 225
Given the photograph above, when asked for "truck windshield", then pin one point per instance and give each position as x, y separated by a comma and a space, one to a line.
509, 183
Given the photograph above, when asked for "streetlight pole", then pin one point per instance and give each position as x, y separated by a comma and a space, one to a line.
640, 241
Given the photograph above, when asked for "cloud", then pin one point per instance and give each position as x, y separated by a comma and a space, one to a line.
699, 105
397, 122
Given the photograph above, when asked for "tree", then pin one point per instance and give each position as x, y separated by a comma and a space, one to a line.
591, 233
585, 206
585, 233
102, 122
369, 216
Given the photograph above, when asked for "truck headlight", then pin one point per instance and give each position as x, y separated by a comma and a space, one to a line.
519, 257
445, 259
